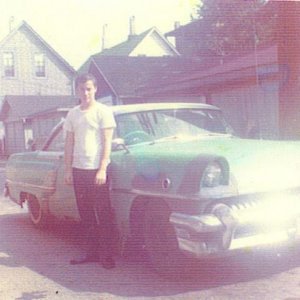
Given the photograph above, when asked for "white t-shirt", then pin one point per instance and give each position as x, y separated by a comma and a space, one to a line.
86, 126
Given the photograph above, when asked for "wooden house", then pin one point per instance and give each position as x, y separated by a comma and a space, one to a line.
31, 71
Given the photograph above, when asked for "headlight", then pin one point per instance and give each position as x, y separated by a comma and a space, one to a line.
212, 175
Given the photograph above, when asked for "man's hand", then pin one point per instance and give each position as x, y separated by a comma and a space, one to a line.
68, 177
100, 177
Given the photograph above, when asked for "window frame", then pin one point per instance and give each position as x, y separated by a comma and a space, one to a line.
55, 131
39, 63
9, 64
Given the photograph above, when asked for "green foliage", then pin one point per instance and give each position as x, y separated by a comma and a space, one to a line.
235, 26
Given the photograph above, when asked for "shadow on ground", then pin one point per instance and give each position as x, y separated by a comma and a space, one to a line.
47, 252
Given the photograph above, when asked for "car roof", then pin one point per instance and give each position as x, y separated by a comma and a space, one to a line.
131, 108
144, 107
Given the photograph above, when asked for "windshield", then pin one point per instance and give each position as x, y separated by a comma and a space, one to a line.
156, 125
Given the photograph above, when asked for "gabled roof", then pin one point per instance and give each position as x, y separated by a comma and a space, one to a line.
25, 106
156, 76
25, 26
127, 47
128, 74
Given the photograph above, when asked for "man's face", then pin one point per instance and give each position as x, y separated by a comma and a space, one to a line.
86, 92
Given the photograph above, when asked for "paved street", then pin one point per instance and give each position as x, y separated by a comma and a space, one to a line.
34, 265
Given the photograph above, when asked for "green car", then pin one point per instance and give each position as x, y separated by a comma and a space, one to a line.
182, 185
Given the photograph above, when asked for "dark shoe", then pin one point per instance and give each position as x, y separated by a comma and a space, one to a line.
108, 263
84, 260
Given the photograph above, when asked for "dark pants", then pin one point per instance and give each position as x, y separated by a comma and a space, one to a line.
95, 211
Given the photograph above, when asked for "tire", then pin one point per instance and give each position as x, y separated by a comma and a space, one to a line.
161, 243
37, 215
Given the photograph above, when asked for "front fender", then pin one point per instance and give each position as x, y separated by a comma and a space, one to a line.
191, 180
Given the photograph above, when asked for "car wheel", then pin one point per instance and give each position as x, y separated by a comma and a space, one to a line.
161, 243
37, 216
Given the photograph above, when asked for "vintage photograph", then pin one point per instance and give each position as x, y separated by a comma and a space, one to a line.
150, 149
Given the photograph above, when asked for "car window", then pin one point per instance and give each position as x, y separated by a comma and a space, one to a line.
58, 141
141, 127
129, 123
211, 121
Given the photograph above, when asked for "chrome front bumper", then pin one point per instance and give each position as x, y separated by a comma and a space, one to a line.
227, 230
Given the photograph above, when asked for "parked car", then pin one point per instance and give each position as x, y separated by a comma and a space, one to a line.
182, 185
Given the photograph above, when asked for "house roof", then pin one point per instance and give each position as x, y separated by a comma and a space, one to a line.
194, 26
25, 26
262, 62
25, 106
127, 47
126, 75
180, 76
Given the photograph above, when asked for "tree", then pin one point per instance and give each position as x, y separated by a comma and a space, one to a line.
235, 26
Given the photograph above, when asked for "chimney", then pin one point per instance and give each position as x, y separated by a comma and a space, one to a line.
132, 32
104, 36
11, 23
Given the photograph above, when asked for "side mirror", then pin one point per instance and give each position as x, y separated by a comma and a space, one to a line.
119, 144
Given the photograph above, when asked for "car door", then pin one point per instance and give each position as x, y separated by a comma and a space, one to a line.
62, 203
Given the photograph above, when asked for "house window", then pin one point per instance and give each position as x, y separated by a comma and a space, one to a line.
9, 64
39, 65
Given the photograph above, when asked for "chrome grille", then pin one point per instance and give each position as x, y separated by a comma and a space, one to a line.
265, 214
250, 204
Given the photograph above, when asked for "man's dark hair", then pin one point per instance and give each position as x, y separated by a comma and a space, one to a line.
83, 78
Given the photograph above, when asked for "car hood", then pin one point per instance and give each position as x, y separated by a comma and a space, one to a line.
255, 165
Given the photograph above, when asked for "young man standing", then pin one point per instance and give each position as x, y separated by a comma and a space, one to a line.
89, 130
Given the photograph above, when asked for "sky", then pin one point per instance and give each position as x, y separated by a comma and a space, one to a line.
74, 27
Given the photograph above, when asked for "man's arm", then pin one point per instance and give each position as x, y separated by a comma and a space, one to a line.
69, 147
106, 140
